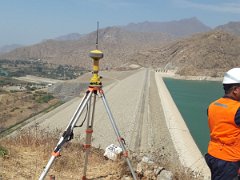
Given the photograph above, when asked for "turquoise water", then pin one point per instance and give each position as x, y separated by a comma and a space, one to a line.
192, 99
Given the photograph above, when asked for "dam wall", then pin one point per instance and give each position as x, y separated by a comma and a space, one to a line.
188, 152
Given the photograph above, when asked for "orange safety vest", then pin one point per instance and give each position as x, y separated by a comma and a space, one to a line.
224, 133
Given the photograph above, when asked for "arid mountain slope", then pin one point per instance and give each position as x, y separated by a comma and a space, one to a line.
181, 28
210, 53
204, 54
69, 37
117, 44
8, 48
231, 27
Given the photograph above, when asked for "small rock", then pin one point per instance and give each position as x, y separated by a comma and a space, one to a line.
126, 178
147, 160
165, 175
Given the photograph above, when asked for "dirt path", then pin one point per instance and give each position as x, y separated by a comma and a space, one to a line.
138, 139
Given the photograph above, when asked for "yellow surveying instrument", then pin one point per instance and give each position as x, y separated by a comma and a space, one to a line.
96, 55
89, 101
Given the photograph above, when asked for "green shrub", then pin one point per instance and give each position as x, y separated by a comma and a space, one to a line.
3, 151
45, 98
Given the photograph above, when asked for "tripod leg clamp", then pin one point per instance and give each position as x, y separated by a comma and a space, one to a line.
89, 131
86, 146
56, 154
125, 153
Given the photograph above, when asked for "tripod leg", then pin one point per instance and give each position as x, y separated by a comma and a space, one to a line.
120, 140
89, 131
67, 135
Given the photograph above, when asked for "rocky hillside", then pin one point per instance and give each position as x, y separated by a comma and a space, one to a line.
231, 27
69, 37
8, 48
181, 28
203, 54
116, 43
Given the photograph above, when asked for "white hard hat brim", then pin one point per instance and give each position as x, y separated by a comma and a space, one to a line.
232, 76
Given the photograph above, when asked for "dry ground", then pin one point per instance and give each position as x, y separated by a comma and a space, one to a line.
24, 157
144, 134
18, 106
28, 153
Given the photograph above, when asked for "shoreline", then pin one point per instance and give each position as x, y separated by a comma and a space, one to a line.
188, 152
198, 78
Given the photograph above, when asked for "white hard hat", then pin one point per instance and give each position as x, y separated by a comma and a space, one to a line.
232, 76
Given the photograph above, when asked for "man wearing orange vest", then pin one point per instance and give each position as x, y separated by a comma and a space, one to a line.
223, 157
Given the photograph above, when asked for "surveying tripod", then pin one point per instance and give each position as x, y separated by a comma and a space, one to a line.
89, 100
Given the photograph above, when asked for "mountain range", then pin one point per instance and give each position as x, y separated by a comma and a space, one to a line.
116, 43
205, 54
187, 46
180, 28
69, 37
231, 27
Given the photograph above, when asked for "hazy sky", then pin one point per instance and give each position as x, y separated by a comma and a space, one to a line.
30, 21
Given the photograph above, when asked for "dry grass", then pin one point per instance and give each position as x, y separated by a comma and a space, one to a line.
25, 155
29, 152
18, 106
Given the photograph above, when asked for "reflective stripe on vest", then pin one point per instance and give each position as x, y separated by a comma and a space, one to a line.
224, 133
